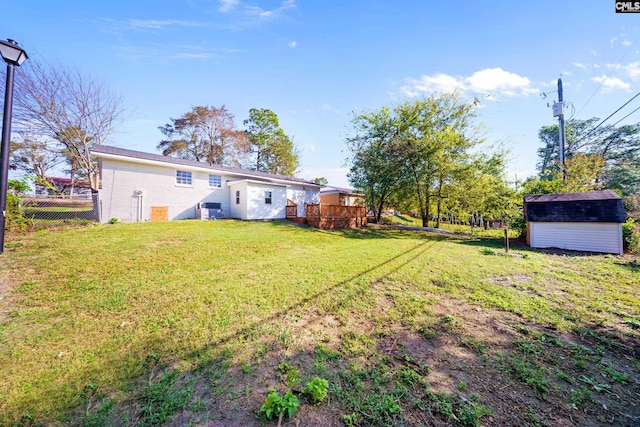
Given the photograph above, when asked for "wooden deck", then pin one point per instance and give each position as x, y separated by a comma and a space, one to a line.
329, 217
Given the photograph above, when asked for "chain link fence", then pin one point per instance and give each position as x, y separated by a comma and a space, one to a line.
45, 210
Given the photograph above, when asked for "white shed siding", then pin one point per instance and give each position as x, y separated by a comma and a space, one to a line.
578, 236
121, 180
238, 210
256, 206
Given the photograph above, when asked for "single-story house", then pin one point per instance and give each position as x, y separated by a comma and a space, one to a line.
341, 197
137, 186
590, 221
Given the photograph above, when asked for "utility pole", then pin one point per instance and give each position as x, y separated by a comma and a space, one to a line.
558, 111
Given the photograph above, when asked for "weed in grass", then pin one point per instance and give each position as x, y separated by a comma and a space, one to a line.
473, 344
289, 374
276, 405
409, 377
564, 377
618, 377
248, 369
428, 333
317, 389
163, 398
488, 251
350, 420
579, 397
599, 387
632, 322
529, 373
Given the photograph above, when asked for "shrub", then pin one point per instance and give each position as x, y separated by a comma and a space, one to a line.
630, 237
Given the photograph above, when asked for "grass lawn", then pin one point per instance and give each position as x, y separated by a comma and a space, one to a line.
196, 322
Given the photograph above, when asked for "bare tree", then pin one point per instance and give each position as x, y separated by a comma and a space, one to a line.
69, 107
205, 134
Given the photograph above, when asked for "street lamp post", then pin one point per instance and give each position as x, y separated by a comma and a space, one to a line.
14, 56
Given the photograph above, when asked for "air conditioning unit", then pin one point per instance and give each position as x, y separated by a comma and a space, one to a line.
209, 210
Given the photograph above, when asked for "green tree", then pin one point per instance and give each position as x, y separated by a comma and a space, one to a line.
321, 180
273, 150
618, 147
376, 168
434, 144
205, 134
34, 156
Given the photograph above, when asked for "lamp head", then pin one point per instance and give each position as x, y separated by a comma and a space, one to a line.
12, 53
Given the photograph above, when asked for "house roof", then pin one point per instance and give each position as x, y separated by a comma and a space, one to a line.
593, 206
107, 151
331, 190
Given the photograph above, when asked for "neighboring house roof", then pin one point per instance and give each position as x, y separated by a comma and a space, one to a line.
61, 182
593, 206
332, 190
111, 152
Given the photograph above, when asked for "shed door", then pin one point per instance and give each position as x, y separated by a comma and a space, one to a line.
159, 213
577, 236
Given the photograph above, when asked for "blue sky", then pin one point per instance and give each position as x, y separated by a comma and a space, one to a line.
314, 63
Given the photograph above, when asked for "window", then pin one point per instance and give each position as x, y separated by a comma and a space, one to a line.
183, 178
215, 181
267, 197
237, 197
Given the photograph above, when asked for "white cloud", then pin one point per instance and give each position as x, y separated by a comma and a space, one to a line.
227, 5
633, 70
257, 11
328, 107
496, 80
292, 44
491, 82
627, 43
613, 41
610, 84
436, 83
157, 24
312, 148
580, 65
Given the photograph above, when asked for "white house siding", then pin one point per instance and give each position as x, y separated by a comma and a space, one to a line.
238, 210
256, 206
578, 236
301, 194
121, 180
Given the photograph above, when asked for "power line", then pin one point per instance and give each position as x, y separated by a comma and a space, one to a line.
610, 115
626, 116
606, 77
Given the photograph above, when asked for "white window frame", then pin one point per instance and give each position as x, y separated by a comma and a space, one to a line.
268, 197
184, 178
237, 197
215, 181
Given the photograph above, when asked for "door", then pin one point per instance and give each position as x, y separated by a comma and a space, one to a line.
159, 213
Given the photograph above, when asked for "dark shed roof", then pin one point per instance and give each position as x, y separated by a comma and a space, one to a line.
593, 206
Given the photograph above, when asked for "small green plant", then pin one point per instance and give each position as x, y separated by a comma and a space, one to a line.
579, 397
618, 377
350, 420
630, 237
114, 221
289, 374
317, 389
276, 405
488, 251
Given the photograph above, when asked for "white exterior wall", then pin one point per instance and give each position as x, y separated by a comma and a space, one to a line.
256, 206
238, 210
301, 194
121, 180
578, 236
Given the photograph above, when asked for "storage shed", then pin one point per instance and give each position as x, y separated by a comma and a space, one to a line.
590, 221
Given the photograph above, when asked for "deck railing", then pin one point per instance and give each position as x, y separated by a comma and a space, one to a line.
329, 216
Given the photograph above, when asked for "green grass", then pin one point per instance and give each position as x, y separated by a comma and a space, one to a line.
103, 316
